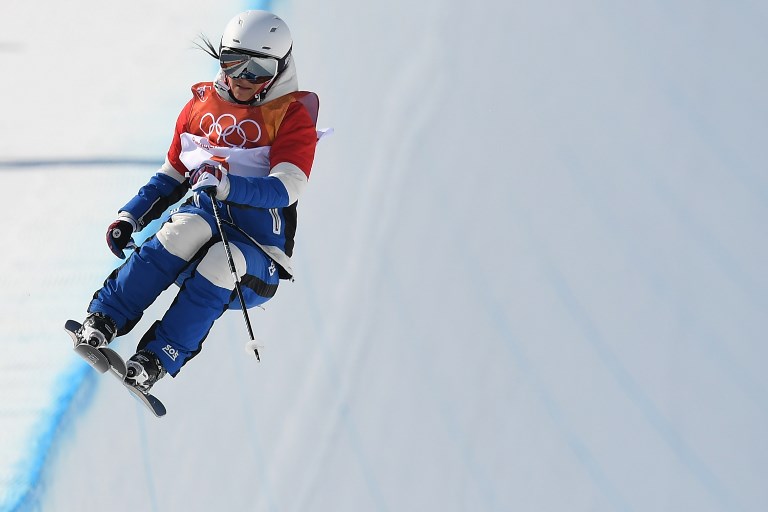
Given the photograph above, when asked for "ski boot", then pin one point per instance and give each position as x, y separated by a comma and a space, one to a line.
144, 369
98, 330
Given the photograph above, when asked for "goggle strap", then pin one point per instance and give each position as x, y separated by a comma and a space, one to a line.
282, 63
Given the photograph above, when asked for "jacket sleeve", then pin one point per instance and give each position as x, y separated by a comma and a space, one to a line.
291, 157
165, 188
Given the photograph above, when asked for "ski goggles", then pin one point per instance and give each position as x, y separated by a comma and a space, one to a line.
250, 66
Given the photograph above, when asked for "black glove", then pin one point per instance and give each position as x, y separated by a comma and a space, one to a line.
119, 237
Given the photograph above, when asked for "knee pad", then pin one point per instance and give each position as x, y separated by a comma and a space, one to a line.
215, 267
184, 235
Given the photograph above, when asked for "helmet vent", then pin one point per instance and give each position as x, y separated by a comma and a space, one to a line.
273, 29
236, 40
266, 47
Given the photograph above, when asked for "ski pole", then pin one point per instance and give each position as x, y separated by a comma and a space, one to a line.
231, 261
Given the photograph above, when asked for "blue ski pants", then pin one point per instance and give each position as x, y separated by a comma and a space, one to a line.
187, 250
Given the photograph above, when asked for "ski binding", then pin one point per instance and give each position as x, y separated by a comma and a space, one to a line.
105, 360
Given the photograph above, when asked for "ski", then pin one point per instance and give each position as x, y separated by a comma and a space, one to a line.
100, 359
106, 360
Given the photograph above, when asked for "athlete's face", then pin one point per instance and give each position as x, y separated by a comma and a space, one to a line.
245, 90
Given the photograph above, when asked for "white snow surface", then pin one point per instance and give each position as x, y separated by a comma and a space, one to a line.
530, 263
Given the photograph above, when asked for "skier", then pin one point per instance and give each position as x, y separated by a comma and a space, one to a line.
248, 139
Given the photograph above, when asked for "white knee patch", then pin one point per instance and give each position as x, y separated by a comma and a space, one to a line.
215, 267
185, 235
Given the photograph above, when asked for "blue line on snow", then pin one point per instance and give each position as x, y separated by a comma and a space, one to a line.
44, 436
140, 412
577, 445
633, 391
79, 162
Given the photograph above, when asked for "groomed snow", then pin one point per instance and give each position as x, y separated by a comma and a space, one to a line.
531, 264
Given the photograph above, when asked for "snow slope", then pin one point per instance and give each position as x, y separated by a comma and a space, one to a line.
76, 134
530, 276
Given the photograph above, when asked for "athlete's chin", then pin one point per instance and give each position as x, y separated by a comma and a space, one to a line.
243, 93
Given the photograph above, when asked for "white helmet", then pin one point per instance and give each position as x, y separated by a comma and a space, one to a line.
256, 46
259, 32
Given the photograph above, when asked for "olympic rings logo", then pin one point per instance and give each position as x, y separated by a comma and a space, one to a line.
227, 130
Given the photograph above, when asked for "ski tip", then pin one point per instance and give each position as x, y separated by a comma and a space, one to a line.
160, 410
71, 325
150, 401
